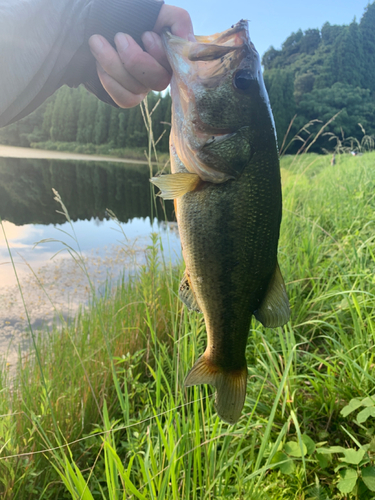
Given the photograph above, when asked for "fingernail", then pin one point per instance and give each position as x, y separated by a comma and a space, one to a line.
122, 40
148, 39
96, 44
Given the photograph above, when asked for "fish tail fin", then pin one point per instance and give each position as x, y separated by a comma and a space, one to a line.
230, 386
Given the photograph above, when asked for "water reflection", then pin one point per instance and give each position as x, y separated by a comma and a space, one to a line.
98, 236
87, 189
29, 215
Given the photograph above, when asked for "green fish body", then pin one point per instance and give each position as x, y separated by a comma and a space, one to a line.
226, 184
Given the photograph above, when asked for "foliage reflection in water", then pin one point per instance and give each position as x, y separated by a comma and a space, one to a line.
29, 215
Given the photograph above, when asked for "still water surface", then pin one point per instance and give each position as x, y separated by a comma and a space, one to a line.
29, 214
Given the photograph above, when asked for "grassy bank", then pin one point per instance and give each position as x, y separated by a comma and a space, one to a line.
103, 413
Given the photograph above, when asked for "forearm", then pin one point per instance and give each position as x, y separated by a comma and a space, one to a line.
44, 44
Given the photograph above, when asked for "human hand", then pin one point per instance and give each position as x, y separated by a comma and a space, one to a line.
129, 73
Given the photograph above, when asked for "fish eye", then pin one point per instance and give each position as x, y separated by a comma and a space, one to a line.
243, 79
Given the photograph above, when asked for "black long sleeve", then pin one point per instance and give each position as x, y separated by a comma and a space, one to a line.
44, 45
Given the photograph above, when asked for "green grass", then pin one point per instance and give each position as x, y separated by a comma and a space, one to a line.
113, 378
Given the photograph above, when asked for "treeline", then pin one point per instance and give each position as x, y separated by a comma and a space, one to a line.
315, 75
318, 73
75, 115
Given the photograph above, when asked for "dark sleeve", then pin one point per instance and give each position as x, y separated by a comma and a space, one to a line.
133, 17
44, 45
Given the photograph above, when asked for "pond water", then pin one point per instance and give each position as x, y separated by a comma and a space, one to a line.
50, 278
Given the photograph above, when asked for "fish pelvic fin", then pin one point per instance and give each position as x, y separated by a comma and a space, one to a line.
186, 294
274, 309
230, 386
174, 185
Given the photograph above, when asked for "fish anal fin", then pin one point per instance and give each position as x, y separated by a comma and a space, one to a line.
274, 309
186, 294
174, 185
230, 386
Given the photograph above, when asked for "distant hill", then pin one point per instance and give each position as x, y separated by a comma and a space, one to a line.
318, 73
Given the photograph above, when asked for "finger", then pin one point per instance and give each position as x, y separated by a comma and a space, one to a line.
110, 61
122, 97
154, 46
178, 20
141, 65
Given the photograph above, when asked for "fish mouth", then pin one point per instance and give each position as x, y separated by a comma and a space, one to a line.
213, 55
236, 39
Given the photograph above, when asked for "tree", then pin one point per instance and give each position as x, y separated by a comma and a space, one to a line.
310, 41
122, 128
367, 31
113, 126
47, 119
280, 87
292, 44
82, 116
347, 56
356, 106
57, 114
86, 118
101, 126
303, 84
329, 33
271, 58
70, 116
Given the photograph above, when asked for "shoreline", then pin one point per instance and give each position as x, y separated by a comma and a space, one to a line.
46, 154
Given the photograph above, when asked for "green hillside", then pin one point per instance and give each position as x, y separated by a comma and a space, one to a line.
318, 73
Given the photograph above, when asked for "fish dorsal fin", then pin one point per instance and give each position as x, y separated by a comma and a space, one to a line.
274, 309
174, 185
186, 294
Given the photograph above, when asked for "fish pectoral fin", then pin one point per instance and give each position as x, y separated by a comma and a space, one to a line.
186, 294
274, 309
230, 386
175, 185
228, 153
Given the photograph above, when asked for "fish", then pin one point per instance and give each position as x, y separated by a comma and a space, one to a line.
225, 183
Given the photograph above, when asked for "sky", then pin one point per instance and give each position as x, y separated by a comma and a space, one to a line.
270, 21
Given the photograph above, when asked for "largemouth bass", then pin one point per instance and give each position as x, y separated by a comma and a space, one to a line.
226, 185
